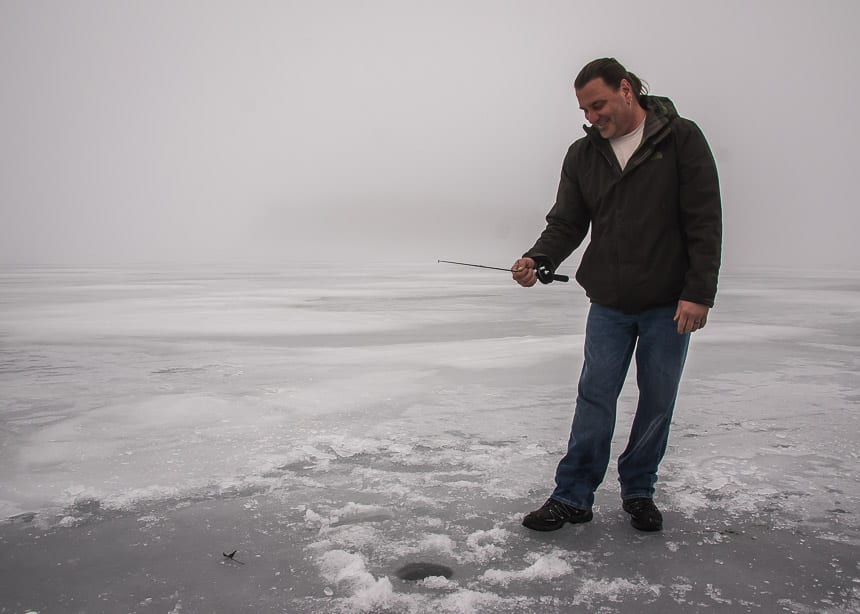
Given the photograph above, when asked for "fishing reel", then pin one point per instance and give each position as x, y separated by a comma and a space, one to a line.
546, 276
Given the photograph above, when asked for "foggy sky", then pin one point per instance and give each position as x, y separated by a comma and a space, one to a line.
188, 131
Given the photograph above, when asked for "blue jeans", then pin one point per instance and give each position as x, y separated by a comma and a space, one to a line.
610, 339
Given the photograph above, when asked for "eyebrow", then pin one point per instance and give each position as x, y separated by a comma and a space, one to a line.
602, 100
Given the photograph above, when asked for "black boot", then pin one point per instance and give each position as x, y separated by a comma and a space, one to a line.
553, 515
644, 515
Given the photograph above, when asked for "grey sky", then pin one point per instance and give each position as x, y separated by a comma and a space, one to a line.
197, 131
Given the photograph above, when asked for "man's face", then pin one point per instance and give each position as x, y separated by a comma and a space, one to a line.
610, 111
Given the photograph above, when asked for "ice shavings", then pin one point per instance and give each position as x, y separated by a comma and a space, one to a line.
545, 567
357, 538
716, 594
468, 601
680, 588
69, 521
314, 520
348, 571
345, 446
149, 520
437, 583
438, 543
348, 514
358, 512
485, 545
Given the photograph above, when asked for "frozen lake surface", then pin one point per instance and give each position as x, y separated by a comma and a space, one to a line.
333, 425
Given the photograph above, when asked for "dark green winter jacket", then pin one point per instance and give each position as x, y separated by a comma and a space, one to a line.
656, 226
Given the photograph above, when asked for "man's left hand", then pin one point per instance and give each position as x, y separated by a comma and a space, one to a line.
691, 316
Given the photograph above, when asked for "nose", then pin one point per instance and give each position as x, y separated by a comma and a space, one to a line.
591, 117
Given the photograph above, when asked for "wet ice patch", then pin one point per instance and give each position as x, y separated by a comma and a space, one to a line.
616, 589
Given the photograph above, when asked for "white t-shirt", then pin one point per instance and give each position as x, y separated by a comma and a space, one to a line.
624, 146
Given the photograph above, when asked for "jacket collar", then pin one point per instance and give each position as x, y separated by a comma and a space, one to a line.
659, 113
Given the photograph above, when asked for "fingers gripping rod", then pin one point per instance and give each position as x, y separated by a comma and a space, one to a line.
544, 273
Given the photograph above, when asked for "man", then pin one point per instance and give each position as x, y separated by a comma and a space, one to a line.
645, 182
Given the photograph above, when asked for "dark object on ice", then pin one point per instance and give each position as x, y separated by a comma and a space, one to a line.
544, 273
644, 515
231, 555
553, 514
419, 571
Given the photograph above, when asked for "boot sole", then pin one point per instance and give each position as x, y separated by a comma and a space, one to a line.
648, 528
537, 526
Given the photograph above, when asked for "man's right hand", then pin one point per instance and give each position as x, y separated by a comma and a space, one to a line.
524, 272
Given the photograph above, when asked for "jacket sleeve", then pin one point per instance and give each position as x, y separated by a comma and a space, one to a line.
701, 215
566, 223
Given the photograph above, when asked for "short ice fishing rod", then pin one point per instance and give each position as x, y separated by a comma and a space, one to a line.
544, 273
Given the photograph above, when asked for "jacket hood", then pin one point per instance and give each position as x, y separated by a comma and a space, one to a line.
661, 107
660, 112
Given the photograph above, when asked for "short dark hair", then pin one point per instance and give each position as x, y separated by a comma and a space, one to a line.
612, 72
